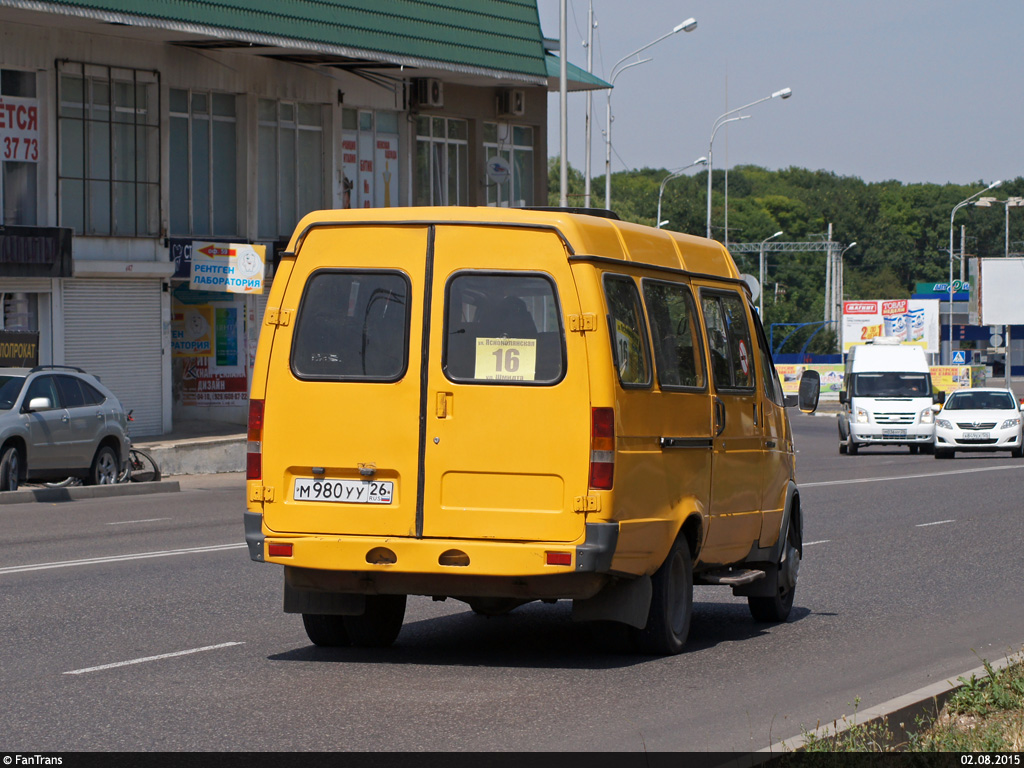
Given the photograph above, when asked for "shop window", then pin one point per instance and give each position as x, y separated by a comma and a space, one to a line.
370, 159
290, 164
203, 175
442, 161
19, 311
109, 150
514, 145
19, 148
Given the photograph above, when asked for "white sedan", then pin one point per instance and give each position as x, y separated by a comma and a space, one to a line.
980, 419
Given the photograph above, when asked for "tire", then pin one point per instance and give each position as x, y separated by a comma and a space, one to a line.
10, 468
942, 453
913, 450
104, 469
852, 448
326, 631
776, 609
65, 483
141, 467
928, 448
379, 625
842, 449
1017, 453
668, 621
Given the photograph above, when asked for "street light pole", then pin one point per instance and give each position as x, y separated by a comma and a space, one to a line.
667, 179
687, 26
957, 207
760, 277
785, 93
838, 283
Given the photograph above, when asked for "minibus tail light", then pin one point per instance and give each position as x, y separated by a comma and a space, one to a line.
254, 442
602, 448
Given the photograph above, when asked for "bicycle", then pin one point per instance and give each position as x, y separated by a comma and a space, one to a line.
141, 467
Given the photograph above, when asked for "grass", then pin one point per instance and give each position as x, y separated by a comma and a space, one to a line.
985, 714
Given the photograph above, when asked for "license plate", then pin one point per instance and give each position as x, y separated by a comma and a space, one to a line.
976, 436
891, 433
344, 491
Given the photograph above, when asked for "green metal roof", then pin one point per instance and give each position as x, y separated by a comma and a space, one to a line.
501, 38
578, 78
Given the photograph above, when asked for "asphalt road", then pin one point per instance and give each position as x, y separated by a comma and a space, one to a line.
140, 623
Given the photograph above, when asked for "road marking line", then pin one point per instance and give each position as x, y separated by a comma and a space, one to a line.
118, 558
148, 520
940, 522
823, 541
909, 477
151, 658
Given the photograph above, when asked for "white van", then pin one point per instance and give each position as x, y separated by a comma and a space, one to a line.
887, 397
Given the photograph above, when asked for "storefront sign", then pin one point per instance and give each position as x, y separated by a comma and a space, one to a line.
227, 267
19, 349
35, 251
192, 331
19, 129
912, 321
204, 384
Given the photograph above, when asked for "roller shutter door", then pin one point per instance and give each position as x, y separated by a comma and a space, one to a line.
112, 330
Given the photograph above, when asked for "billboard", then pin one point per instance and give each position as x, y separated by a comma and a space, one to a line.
912, 321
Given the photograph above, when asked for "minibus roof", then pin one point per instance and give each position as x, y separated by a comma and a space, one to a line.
585, 236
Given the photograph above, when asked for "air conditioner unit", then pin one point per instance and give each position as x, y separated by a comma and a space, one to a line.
428, 92
511, 102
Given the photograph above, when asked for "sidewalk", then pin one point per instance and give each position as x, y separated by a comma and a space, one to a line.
197, 448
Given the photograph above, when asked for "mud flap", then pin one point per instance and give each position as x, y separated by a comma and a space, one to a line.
625, 601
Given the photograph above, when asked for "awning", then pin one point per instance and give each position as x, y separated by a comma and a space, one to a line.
577, 79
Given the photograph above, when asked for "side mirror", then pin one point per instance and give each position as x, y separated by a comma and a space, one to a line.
40, 404
939, 397
844, 398
810, 390
936, 407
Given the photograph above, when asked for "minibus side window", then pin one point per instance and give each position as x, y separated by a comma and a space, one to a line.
675, 332
732, 363
503, 328
352, 325
628, 332
772, 385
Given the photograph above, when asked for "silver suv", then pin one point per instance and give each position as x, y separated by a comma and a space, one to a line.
58, 422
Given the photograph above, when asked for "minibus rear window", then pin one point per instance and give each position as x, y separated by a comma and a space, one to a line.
353, 325
503, 328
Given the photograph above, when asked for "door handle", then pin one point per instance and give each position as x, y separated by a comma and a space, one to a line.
65, 418
719, 417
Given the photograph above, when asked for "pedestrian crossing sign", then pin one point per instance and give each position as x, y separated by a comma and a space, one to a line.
959, 358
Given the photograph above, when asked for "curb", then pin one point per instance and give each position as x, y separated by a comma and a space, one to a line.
202, 456
900, 714
78, 492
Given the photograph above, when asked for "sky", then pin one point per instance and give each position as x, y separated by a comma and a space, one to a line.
902, 90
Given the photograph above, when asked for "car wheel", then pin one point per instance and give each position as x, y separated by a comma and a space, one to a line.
325, 630
776, 608
942, 453
668, 620
104, 470
928, 449
380, 624
1017, 452
9, 469
913, 450
842, 448
852, 448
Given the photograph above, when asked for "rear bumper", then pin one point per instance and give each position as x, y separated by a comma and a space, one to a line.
452, 567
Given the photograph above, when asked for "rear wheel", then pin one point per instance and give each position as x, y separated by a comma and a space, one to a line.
668, 621
326, 631
777, 607
104, 470
9, 469
380, 624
